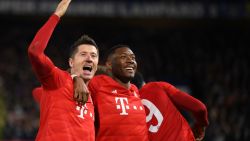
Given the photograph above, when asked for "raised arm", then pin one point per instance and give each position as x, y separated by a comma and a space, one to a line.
37, 94
62, 7
41, 64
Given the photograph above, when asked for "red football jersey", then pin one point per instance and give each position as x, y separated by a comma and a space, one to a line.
37, 93
165, 122
61, 118
119, 111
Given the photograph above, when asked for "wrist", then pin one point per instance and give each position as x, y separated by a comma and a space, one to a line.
73, 76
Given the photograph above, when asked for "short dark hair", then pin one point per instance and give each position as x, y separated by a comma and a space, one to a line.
84, 39
112, 50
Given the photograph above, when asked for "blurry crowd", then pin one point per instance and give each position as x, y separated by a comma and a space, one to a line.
215, 65
212, 61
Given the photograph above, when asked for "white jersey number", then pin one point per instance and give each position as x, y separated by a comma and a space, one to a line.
153, 111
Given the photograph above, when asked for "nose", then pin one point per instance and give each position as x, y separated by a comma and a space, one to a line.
89, 58
131, 60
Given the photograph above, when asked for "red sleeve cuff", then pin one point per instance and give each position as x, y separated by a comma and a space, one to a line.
55, 18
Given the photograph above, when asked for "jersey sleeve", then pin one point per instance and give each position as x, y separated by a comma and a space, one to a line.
37, 94
41, 64
188, 103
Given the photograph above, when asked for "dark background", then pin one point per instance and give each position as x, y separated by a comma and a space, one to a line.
207, 55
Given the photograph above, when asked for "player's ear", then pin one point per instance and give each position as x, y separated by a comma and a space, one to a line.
71, 62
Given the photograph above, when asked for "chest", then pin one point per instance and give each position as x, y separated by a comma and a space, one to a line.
119, 102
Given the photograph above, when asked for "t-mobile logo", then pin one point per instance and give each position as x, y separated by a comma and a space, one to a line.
83, 111
122, 103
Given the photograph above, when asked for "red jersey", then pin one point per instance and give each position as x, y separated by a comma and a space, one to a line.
60, 117
119, 111
37, 93
165, 122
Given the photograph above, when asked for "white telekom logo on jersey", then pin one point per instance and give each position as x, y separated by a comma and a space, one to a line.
83, 111
122, 103
153, 111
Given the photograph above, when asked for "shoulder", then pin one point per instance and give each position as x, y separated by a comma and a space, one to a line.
152, 84
100, 78
164, 84
157, 85
134, 88
99, 81
64, 75
59, 72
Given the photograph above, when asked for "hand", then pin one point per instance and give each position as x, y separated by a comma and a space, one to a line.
199, 132
62, 7
81, 91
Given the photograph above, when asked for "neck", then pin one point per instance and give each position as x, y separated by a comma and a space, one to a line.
79, 76
125, 84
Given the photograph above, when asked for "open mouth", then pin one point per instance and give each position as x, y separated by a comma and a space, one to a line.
88, 68
129, 68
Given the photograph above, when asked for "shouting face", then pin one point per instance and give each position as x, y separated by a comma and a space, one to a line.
84, 62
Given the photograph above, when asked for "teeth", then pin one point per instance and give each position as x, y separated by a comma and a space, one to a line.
129, 68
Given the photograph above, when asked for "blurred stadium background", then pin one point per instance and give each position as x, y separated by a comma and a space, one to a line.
198, 45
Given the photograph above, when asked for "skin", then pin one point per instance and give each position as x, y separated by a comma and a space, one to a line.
123, 65
86, 55
118, 65
62, 8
